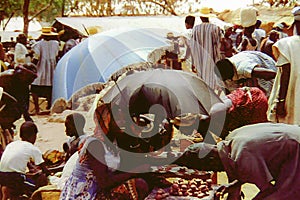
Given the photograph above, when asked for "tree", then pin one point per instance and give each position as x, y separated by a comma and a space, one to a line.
30, 10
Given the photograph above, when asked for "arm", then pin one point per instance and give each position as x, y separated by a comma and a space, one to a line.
284, 84
263, 73
44, 169
220, 107
106, 179
233, 189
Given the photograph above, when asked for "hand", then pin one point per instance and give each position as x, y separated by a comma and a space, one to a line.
220, 192
280, 110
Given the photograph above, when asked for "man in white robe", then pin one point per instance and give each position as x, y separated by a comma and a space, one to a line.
285, 97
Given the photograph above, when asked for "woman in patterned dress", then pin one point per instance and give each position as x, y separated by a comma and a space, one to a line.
96, 174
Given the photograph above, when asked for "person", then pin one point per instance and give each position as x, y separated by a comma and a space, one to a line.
264, 154
280, 28
70, 43
236, 36
205, 48
259, 34
185, 42
15, 159
16, 83
74, 127
247, 68
268, 42
21, 52
96, 174
283, 106
227, 49
243, 106
248, 22
3, 66
45, 56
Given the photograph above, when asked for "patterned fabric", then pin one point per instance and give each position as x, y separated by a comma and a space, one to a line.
249, 106
205, 48
82, 184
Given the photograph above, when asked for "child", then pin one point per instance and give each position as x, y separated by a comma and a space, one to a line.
15, 159
74, 125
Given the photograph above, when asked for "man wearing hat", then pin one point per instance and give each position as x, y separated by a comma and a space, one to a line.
248, 21
284, 100
45, 53
205, 47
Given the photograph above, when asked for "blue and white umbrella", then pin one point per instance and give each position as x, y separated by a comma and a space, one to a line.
99, 56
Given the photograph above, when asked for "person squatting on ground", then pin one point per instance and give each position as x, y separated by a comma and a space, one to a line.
96, 174
14, 161
74, 127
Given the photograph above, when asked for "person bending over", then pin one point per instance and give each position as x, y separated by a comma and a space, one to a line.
264, 154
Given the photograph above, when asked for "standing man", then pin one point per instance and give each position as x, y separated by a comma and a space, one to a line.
45, 53
185, 42
205, 48
284, 100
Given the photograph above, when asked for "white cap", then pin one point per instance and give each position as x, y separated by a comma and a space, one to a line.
296, 13
248, 16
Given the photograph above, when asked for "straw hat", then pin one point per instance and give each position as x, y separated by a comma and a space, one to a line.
48, 31
93, 30
206, 12
248, 16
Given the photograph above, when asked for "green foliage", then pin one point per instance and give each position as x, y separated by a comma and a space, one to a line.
11, 6
16, 8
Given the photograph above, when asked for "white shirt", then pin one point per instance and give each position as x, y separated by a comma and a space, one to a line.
16, 156
20, 54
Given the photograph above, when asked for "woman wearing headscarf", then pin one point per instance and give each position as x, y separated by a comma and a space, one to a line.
96, 174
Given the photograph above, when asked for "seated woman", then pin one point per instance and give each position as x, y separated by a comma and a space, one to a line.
96, 174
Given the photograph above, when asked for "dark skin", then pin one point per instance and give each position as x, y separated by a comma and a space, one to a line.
284, 84
210, 162
263, 73
257, 72
106, 179
72, 130
248, 33
43, 166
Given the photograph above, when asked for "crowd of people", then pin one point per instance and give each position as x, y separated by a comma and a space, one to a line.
258, 73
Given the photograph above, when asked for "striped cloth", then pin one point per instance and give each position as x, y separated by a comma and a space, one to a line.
46, 52
205, 49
